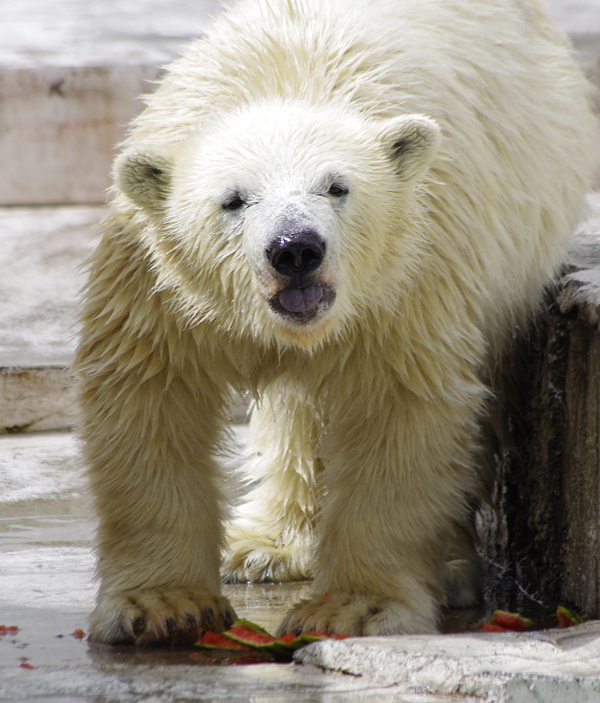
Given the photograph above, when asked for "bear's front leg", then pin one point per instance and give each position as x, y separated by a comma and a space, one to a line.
272, 535
398, 467
152, 417
159, 506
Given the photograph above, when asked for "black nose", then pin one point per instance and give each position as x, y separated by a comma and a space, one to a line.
296, 254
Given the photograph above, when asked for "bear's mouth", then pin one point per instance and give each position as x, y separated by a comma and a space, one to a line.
302, 304
301, 299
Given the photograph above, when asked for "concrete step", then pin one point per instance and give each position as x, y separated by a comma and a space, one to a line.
61, 126
539, 667
70, 75
42, 255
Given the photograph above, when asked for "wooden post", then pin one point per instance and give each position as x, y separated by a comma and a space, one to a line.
541, 535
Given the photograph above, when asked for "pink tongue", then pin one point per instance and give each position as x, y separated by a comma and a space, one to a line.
300, 299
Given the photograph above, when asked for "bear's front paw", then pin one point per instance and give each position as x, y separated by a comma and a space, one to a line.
353, 614
156, 616
257, 555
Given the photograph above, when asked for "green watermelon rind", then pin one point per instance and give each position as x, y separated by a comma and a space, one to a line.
300, 641
290, 647
275, 646
252, 626
308, 639
574, 617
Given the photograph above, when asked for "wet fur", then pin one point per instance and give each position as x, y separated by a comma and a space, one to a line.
365, 439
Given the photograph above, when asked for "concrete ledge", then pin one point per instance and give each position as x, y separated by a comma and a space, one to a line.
43, 399
70, 81
60, 127
70, 77
540, 667
41, 255
36, 399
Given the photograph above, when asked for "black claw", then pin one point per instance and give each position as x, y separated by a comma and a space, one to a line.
208, 615
227, 619
171, 625
191, 621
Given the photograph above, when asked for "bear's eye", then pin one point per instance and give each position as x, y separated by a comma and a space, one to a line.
338, 190
235, 202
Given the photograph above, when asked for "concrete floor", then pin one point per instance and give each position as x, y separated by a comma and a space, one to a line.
47, 590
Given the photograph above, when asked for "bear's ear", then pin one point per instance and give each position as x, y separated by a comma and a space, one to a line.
145, 176
412, 142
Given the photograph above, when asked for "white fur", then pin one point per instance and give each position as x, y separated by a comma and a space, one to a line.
462, 132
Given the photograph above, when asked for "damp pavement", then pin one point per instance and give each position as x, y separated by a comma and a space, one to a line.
47, 590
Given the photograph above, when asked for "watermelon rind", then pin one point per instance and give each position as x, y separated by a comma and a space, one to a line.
569, 614
292, 645
220, 642
510, 621
307, 639
252, 626
249, 634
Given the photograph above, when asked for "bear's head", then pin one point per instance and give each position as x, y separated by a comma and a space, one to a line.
285, 219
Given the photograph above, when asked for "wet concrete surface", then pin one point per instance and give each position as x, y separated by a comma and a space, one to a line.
47, 590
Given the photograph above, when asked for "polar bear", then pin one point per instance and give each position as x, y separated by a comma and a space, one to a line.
346, 209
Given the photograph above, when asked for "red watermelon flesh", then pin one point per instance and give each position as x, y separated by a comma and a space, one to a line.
212, 640
252, 626
290, 642
491, 627
510, 621
249, 637
566, 618
246, 634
